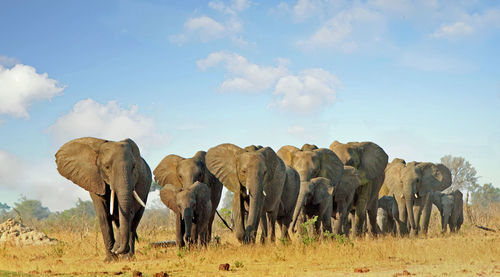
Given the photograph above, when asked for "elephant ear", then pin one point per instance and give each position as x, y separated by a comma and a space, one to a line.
166, 171
332, 167
323, 188
350, 179
373, 160
392, 177
168, 196
286, 154
437, 175
276, 168
221, 162
77, 161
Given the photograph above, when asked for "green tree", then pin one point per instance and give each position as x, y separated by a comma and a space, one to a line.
463, 174
84, 209
30, 209
4, 211
485, 195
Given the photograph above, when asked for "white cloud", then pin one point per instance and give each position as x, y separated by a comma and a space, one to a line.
8, 61
244, 76
347, 30
307, 93
457, 29
304, 9
21, 85
108, 121
234, 6
9, 170
206, 29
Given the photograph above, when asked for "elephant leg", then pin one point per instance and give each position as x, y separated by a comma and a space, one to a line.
102, 207
372, 218
239, 216
360, 213
402, 218
271, 217
263, 226
327, 223
427, 213
133, 230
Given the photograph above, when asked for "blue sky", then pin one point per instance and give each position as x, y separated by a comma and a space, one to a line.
420, 78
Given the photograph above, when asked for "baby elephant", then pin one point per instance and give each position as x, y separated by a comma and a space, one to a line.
387, 213
192, 205
450, 206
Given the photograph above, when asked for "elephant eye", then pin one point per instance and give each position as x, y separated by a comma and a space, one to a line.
107, 166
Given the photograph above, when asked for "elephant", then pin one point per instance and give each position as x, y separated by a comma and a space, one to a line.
288, 200
387, 213
450, 206
315, 199
194, 205
182, 173
343, 199
118, 180
256, 176
411, 184
369, 160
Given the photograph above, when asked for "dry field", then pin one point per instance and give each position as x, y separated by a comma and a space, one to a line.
471, 252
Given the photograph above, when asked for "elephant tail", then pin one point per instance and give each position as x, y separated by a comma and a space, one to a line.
223, 220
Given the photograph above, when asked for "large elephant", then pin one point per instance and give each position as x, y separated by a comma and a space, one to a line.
118, 181
450, 206
288, 200
387, 214
194, 206
256, 176
343, 198
411, 184
182, 173
370, 160
315, 199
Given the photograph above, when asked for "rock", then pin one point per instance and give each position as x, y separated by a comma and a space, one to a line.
224, 267
136, 273
361, 269
160, 274
126, 268
14, 232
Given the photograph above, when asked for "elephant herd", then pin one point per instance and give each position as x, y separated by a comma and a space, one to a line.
346, 186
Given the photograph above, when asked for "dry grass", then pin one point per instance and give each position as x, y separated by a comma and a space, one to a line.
471, 252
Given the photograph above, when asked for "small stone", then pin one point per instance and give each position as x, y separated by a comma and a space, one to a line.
160, 274
136, 273
224, 267
361, 269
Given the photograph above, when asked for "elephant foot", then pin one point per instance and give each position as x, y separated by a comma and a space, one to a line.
110, 257
128, 257
122, 250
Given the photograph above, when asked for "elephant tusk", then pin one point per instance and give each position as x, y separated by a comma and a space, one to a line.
112, 203
416, 195
263, 192
136, 196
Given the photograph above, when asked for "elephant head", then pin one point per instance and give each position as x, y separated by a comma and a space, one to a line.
450, 207
311, 162
108, 168
315, 199
191, 202
254, 174
343, 196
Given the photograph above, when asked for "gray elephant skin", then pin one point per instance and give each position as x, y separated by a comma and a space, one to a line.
343, 199
118, 181
184, 172
370, 161
411, 184
387, 214
315, 199
256, 176
288, 200
450, 206
194, 206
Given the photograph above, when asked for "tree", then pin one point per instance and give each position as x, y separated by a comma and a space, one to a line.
485, 195
227, 201
31, 209
83, 209
3, 211
463, 174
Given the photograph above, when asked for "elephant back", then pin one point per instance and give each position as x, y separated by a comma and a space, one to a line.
392, 177
286, 154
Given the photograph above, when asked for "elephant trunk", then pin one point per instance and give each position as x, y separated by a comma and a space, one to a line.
301, 201
125, 202
254, 208
411, 218
187, 215
340, 215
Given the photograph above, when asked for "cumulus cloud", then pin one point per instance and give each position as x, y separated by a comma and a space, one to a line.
233, 7
347, 30
21, 86
469, 24
108, 121
306, 93
244, 76
453, 30
8, 61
